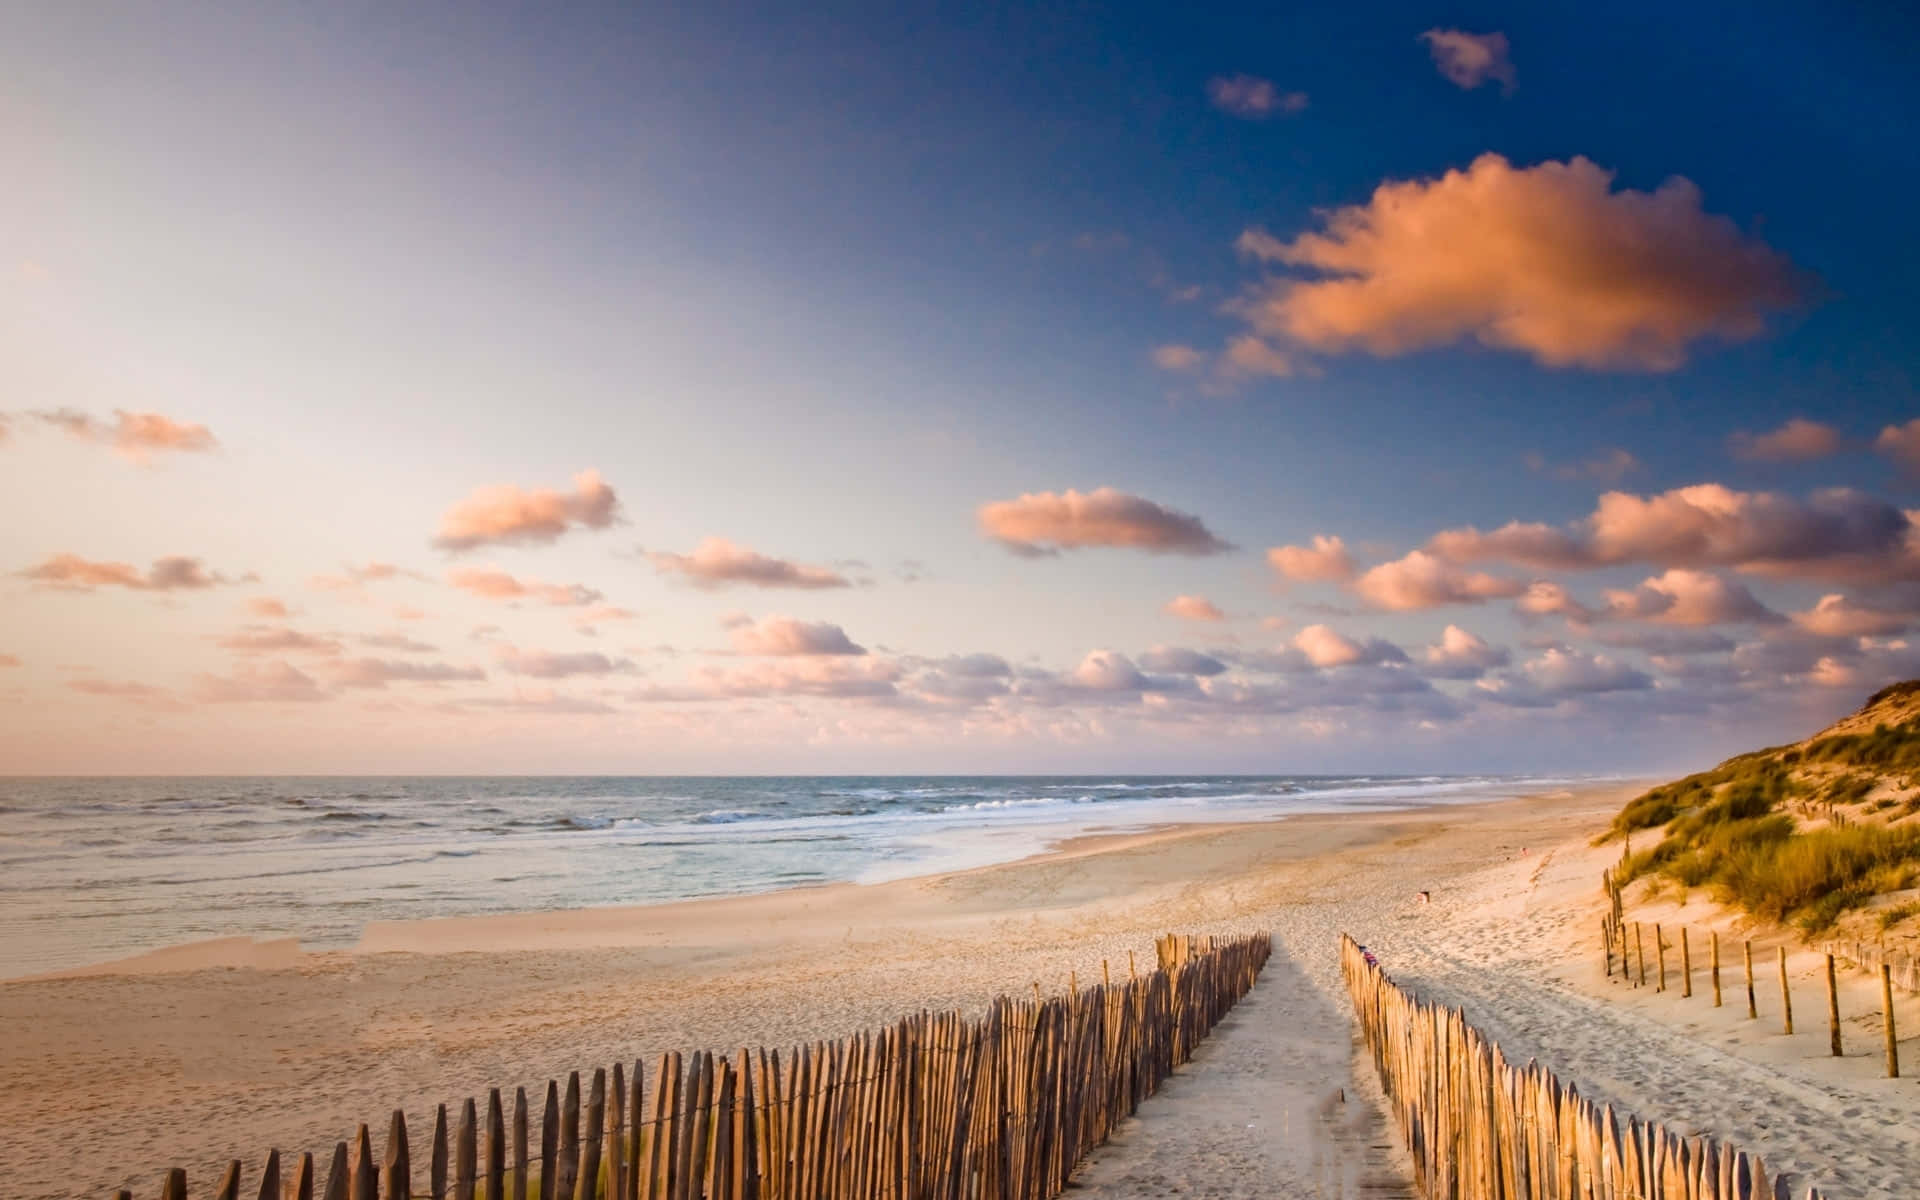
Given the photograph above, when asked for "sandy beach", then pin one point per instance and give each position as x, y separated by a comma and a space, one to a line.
207, 1052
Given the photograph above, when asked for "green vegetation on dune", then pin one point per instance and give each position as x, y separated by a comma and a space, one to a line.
1793, 834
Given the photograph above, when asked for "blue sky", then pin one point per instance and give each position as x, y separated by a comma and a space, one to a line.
824, 283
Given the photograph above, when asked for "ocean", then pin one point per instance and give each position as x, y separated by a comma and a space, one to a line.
97, 869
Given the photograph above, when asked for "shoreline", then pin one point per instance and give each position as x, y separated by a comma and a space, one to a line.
621, 925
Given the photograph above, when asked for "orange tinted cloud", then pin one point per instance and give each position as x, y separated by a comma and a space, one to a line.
1687, 597
1834, 533
1043, 523
510, 515
8, 660
1194, 608
1421, 580
1471, 59
1838, 616
1548, 260
1327, 559
494, 584
780, 636
267, 606
70, 572
134, 435
717, 563
1799, 440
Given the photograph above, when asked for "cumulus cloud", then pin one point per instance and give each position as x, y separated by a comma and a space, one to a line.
1325, 646
1901, 443
546, 664
494, 584
280, 640
1422, 580
133, 435
1252, 98
1687, 597
779, 636
507, 515
1178, 660
70, 572
1548, 260
1834, 533
379, 672
717, 563
1107, 671
1461, 655
1194, 608
1544, 597
9, 660
1836, 615
1471, 59
1326, 559
1561, 673
1799, 440
265, 683
1042, 523
268, 607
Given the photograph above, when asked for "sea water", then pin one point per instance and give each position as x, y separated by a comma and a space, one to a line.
97, 869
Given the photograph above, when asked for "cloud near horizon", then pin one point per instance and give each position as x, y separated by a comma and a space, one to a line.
1547, 260
1471, 59
1039, 524
717, 563
509, 515
70, 572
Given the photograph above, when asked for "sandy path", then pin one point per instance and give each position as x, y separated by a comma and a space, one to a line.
1274, 1103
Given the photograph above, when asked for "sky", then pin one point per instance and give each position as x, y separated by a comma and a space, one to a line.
860, 388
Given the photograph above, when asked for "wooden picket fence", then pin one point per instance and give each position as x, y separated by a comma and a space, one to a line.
1903, 970
935, 1107
1479, 1128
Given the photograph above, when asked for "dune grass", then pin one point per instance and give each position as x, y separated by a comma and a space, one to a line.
1728, 830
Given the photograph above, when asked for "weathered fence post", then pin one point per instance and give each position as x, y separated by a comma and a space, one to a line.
1753, 1006
1714, 935
1886, 1005
1686, 965
1833, 1009
1786, 996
